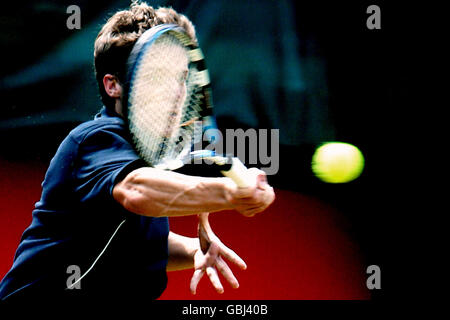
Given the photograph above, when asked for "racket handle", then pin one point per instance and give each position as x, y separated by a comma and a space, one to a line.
238, 173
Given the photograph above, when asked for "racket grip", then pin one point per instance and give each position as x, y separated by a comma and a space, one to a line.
238, 173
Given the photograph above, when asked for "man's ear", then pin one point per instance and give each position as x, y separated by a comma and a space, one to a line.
112, 86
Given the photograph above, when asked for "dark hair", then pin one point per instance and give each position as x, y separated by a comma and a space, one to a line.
117, 37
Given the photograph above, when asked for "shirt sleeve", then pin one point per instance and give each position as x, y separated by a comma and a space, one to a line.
105, 157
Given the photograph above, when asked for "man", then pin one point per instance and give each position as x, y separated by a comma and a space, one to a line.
104, 212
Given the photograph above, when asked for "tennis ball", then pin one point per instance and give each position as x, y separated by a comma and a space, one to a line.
337, 162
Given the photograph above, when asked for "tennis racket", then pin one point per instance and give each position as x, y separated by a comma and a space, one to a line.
168, 94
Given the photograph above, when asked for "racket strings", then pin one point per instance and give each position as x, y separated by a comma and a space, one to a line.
158, 96
167, 99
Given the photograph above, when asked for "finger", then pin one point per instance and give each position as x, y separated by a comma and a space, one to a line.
262, 196
249, 214
249, 211
214, 278
232, 256
258, 180
259, 204
261, 178
227, 273
252, 212
261, 182
253, 200
197, 276
243, 193
269, 195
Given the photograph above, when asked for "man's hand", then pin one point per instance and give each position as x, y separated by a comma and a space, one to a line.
209, 258
253, 199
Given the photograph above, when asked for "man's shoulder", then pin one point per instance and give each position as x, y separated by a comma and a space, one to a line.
99, 124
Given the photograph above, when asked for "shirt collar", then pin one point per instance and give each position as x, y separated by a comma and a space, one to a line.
107, 112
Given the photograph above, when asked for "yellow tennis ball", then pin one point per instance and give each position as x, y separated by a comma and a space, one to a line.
337, 162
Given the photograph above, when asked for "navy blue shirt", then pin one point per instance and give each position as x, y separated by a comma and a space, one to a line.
77, 215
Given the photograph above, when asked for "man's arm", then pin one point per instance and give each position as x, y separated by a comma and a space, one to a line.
157, 193
181, 252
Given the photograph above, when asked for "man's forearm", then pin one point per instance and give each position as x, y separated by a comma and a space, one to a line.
181, 252
157, 193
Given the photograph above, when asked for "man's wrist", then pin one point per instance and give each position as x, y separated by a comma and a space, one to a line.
228, 188
194, 247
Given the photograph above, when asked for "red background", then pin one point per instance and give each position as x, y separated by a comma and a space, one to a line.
300, 248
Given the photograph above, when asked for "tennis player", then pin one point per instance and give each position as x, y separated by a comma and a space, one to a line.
96, 181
